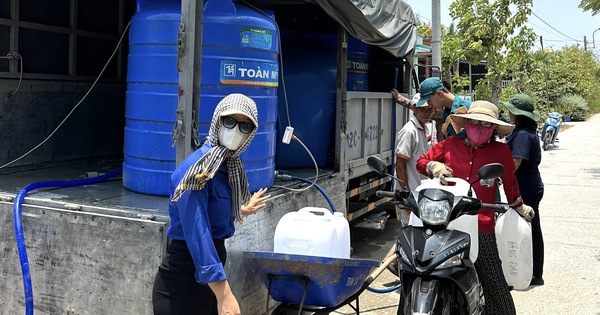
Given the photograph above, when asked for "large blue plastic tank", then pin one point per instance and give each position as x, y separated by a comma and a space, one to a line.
358, 65
310, 70
240, 55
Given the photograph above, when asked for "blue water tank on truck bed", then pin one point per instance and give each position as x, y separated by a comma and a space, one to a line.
239, 55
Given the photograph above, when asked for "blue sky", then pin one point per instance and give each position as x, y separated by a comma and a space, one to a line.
560, 23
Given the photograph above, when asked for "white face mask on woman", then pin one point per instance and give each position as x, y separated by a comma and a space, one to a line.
232, 139
234, 133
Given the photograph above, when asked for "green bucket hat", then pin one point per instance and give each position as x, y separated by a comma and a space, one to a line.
522, 104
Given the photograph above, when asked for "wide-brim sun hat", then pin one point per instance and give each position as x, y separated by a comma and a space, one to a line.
483, 111
522, 104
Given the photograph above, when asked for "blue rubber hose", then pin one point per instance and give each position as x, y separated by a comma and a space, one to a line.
388, 290
301, 179
19, 225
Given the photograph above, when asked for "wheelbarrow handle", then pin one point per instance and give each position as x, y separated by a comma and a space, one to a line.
386, 262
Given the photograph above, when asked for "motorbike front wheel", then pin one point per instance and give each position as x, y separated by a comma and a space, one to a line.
547, 139
441, 299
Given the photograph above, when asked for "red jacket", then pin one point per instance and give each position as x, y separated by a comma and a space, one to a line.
465, 161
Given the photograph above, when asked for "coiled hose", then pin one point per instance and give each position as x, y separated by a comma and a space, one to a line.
19, 225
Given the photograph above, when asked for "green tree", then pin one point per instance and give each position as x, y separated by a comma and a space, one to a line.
491, 31
548, 75
452, 53
590, 5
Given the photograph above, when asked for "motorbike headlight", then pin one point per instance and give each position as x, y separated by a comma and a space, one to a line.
434, 212
454, 261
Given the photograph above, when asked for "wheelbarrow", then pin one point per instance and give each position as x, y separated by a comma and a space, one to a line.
313, 283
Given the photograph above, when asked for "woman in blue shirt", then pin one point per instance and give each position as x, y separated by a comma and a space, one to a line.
527, 154
209, 192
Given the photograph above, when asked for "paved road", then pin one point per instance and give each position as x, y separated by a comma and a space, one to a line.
570, 219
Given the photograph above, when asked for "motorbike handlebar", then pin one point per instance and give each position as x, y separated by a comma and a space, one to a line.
495, 207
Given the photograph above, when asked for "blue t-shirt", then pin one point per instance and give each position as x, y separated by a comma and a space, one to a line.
456, 103
525, 144
200, 216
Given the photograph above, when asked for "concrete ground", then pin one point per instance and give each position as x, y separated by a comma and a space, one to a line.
570, 223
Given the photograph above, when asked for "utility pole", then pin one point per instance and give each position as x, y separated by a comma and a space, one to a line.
542, 42
436, 39
584, 43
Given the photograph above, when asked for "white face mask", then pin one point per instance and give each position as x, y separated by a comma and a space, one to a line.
232, 139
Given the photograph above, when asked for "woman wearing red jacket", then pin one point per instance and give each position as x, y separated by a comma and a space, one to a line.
462, 157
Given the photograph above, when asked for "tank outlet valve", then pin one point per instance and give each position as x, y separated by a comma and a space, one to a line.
287, 136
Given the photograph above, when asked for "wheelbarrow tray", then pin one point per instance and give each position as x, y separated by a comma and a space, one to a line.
329, 281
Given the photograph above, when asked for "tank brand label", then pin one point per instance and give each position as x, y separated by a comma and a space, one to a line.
249, 73
358, 66
256, 38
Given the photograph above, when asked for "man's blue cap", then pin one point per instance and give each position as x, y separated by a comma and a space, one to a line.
427, 88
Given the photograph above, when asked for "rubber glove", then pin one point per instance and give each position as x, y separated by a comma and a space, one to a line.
526, 212
438, 170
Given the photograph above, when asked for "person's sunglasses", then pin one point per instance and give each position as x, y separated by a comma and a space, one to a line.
230, 122
482, 123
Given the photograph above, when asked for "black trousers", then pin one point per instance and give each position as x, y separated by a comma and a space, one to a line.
536, 233
176, 291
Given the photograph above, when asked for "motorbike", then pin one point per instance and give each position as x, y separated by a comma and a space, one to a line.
550, 130
437, 250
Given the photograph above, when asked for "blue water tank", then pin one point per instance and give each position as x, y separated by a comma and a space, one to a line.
239, 55
310, 73
310, 67
358, 65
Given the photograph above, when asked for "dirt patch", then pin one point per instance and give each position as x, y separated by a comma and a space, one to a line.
564, 127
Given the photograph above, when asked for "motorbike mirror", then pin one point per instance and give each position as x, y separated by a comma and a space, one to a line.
491, 171
486, 175
377, 165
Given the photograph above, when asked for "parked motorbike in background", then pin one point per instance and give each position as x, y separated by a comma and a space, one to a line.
437, 251
550, 130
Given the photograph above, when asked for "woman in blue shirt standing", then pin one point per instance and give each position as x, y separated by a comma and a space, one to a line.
209, 192
527, 154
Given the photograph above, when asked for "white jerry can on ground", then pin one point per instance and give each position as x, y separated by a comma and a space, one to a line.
513, 236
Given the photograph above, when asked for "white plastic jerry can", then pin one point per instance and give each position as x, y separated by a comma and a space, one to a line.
513, 236
313, 231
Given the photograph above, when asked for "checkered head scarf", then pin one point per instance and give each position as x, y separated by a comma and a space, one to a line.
206, 167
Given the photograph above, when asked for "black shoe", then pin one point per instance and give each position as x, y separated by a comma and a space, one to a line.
536, 281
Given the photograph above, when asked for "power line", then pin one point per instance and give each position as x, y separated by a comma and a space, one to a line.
534, 26
554, 27
560, 40
423, 17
